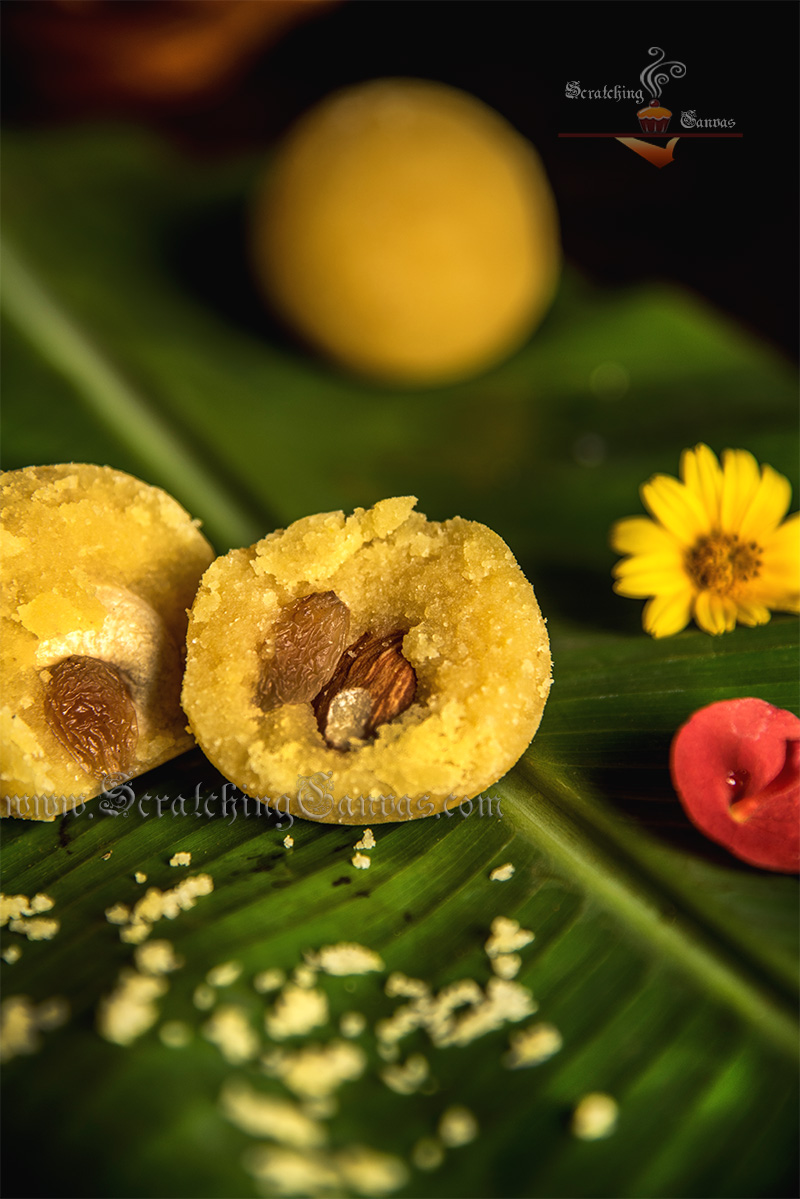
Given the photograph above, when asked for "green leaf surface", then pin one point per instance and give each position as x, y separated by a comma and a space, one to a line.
134, 336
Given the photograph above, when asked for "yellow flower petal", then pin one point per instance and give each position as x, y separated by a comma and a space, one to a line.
671, 560
778, 582
784, 543
665, 615
775, 592
751, 613
649, 574
715, 613
740, 480
640, 535
676, 507
648, 583
768, 506
701, 473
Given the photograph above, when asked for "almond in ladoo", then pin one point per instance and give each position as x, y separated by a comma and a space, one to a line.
375, 666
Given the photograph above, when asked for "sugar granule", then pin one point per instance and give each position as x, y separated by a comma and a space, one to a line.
204, 997
407, 1078
224, 974
134, 934
35, 928
352, 1024
345, 958
507, 937
356, 1169
18, 1031
595, 1117
23, 915
400, 986
12, 907
267, 1116
119, 913
230, 1030
175, 1034
316, 1071
532, 1046
505, 1002
427, 1154
501, 874
11, 954
285, 1171
269, 980
368, 1172
360, 861
304, 976
157, 957
156, 904
457, 1127
21, 1021
367, 840
507, 965
296, 1011
181, 859
140, 876
130, 1010
52, 1013
288, 841
440, 1016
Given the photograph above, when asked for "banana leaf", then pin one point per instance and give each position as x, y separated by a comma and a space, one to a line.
134, 335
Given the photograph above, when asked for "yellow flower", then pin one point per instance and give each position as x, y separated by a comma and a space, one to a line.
718, 548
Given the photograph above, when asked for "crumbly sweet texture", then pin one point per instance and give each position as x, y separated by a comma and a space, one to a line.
99, 570
473, 634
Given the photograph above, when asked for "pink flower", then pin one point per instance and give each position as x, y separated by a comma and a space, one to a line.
736, 768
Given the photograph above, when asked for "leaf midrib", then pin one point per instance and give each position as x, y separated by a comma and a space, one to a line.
614, 876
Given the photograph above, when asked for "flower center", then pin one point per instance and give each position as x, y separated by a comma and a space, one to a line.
720, 561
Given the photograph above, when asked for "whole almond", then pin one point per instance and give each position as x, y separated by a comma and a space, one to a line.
376, 665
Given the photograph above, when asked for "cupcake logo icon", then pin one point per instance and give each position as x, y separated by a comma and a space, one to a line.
654, 118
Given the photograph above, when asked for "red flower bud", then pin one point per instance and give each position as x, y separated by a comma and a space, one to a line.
736, 768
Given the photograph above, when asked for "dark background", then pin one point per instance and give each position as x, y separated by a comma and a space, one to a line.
721, 219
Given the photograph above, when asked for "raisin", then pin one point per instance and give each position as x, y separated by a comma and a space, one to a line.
89, 708
310, 635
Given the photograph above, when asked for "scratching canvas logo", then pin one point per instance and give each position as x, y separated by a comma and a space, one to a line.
654, 118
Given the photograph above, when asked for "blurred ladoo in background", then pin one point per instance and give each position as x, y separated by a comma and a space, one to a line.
408, 232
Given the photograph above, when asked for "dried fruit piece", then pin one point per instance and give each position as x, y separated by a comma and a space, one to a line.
309, 638
375, 665
736, 768
89, 708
